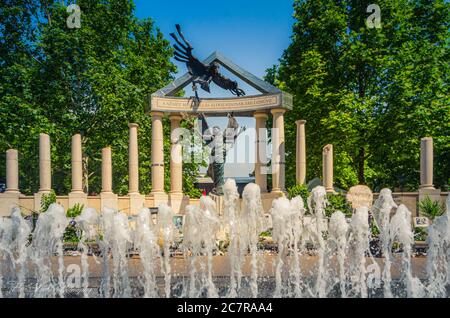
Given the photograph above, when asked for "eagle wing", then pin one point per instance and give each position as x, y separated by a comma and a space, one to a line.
183, 53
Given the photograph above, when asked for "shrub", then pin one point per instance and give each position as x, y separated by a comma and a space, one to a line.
302, 190
337, 201
431, 209
71, 234
46, 200
420, 234
75, 210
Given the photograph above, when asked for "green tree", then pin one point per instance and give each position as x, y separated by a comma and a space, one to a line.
370, 92
20, 120
91, 80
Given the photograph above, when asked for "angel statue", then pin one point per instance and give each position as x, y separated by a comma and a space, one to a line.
220, 142
202, 73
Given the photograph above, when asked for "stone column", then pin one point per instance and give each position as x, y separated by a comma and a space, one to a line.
107, 197
278, 145
426, 163
12, 171
157, 153
136, 199
260, 150
106, 170
176, 165
77, 164
11, 197
327, 168
426, 189
45, 174
77, 195
300, 173
133, 159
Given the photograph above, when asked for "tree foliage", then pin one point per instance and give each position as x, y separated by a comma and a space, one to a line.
91, 80
372, 93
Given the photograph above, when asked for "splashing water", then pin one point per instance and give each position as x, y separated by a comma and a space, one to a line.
87, 222
381, 210
202, 224
281, 233
359, 246
5, 241
147, 245
438, 257
32, 262
317, 203
20, 235
252, 224
47, 239
337, 244
166, 232
231, 220
400, 229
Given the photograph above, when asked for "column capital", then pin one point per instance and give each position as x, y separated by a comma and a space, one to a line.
300, 122
43, 135
327, 148
157, 114
426, 138
132, 125
277, 111
12, 151
260, 114
175, 117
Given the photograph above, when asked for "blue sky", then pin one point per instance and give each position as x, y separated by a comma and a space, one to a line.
251, 33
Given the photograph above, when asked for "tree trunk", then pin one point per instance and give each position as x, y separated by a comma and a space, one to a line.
361, 159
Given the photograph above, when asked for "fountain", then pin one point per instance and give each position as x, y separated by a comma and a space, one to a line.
316, 255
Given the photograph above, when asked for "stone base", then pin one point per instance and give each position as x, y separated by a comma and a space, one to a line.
159, 197
8, 200
178, 202
77, 198
268, 197
433, 194
137, 202
38, 199
109, 200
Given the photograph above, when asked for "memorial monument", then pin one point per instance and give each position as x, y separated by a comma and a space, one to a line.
270, 100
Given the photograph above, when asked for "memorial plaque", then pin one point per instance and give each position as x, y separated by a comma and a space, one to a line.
153, 210
421, 221
213, 106
360, 195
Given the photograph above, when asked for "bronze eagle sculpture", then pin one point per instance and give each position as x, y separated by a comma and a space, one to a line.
202, 73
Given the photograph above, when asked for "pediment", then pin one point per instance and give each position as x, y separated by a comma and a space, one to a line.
252, 80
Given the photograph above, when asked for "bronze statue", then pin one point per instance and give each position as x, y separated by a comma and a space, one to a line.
203, 74
219, 142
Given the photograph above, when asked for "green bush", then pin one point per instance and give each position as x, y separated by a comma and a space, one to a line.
194, 193
420, 234
374, 230
337, 201
47, 200
302, 190
431, 209
71, 233
75, 210
267, 233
